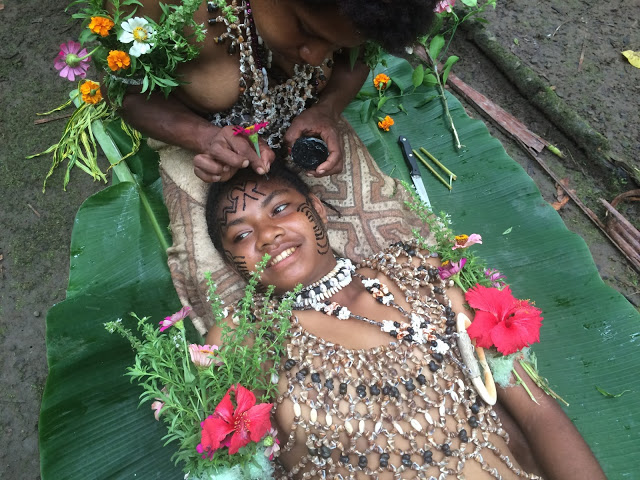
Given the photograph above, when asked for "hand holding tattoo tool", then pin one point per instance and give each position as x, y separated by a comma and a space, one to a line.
413, 167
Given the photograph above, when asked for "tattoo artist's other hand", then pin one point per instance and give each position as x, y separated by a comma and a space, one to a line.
225, 153
319, 122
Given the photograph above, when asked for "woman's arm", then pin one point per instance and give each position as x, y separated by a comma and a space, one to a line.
557, 446
219, 153
321, 119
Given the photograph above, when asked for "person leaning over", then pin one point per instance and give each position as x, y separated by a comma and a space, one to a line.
285, 62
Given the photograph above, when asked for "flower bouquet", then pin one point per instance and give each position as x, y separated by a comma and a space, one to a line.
214, 400
128, 51
503, 327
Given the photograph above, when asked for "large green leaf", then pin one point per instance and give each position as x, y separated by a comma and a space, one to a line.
590, 331
90, 426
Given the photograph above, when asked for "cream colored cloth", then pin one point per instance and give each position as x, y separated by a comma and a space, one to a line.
371, 204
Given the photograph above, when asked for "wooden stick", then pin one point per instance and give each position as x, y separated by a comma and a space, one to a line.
435, 160
431, 169
620, 218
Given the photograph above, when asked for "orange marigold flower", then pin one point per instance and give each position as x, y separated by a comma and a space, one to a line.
385, 123
90, 92
101, 25
381, 81
118, 60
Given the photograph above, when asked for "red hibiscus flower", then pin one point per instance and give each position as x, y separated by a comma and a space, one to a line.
235, 429
501, 320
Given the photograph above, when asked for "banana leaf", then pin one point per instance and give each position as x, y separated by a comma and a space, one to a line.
90, 425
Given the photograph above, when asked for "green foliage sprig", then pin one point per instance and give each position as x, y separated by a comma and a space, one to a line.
249, 356
475, 269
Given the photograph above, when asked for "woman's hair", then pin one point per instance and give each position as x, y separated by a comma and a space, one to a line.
217, 191
394, 24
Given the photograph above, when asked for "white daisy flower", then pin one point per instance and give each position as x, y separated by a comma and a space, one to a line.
139, 31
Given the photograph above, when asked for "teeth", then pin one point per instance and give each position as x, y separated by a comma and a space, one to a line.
282, 256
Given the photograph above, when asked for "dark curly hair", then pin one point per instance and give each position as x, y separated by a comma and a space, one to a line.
393, 24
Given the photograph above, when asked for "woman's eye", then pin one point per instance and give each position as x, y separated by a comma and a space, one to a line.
280, 208
240, 236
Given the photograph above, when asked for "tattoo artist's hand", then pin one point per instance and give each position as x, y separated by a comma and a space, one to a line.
226, 153
318, 121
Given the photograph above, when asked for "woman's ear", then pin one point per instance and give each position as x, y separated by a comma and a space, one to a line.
319, 207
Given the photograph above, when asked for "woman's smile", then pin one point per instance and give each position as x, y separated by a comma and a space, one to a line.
280, 257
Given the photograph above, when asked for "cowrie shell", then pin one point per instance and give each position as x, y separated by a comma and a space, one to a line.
416, 424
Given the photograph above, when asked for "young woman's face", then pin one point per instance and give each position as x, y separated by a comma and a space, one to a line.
300, 35
270, 216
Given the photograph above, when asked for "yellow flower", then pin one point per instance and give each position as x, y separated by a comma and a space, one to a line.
381, 81
101, 25
90, 92
385, 123
118, 60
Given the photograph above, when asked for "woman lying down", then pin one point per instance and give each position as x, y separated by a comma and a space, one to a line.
372, 384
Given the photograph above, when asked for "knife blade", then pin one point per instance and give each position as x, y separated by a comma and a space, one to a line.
414, 171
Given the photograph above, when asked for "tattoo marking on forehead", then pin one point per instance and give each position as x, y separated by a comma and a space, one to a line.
322, 241
240, 192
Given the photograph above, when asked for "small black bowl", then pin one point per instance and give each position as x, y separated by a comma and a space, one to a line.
309, 152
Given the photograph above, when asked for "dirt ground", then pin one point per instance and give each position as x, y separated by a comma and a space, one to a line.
35, 228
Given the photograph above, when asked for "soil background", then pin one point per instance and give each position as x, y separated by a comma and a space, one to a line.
35, 228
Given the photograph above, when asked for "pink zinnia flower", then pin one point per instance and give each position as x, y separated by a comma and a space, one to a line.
237, 427
501, 320
448, 269
175, 318
251, 132
496, 278
444, 5
201, 355
72, 61
158, 404
464, 241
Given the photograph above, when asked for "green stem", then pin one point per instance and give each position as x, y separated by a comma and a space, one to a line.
443, 98
122, 172
524, 385
89, 54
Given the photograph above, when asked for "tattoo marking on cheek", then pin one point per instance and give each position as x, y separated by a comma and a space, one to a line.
240, 192
322, 241
239, 263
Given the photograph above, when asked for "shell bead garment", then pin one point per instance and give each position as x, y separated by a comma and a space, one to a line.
402, 410
260, 102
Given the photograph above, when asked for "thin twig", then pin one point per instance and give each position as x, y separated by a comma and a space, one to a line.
584, 44
52, 119
33, 209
